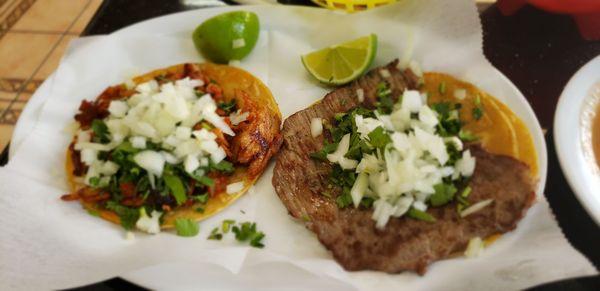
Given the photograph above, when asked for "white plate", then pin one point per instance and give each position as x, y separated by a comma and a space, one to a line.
163, 276
572, 121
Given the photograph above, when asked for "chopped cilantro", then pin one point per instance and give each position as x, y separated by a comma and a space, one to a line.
367, 202
344, 200
385, 102
226, 225
247, 232
199, 209
215, 235
186, 227
477, 113
420, 215
462, 201
199, 176
94, 181
379, 138
203, 198
93, 212
100, 131
478, 109
228, 107
223, 166
442, 88
466, 192
466, 135
128, 216
322, 154
444, 193
449, 124
176, 187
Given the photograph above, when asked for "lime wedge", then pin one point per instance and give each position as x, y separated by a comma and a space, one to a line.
342, 63
228, 36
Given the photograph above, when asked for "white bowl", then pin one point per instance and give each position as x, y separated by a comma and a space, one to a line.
572, 135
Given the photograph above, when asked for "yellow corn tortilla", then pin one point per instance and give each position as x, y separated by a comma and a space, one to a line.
231, 80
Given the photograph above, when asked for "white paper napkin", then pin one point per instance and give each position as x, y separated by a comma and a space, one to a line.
47, 243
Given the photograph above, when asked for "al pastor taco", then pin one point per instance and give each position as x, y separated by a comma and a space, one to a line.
181, 142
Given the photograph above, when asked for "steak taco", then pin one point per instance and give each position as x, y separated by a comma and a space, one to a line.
181, 142
397, 170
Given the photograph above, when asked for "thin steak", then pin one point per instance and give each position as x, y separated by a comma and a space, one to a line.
404, 244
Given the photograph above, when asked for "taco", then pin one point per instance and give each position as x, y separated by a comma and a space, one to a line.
399, 169
181, 142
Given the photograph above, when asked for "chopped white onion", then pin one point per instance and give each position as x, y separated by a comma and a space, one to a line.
466, 164
385, 73
88, 156
340, 152
118, 108
183, 132
360, 95
316, 126
476, 207
235, 187
149, 224
411, 101
151, 161
138, 142
235, 63
366, 125
238, 117
474, 248
460, 94
108, 168
358, 189
190, 164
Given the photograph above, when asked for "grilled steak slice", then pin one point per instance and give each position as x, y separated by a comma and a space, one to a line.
404, 244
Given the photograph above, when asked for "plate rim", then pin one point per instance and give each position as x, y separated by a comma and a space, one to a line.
570, 102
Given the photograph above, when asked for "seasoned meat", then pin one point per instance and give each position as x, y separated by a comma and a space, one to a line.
405, 244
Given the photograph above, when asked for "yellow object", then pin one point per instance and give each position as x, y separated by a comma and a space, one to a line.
351, 5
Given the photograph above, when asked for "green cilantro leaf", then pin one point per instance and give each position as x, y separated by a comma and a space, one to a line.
444, 193
477, 113
128, 216
228, 107
420, 215
385, 102
203, 198
215, 235
247, 232
223, 166
466, 135
466, 192
379, 138
226, 225
186, 227
344, 200
322, 154
176, 187
199, 176
100, 131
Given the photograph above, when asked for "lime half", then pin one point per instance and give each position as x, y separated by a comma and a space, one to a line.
228, 36
342, 63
